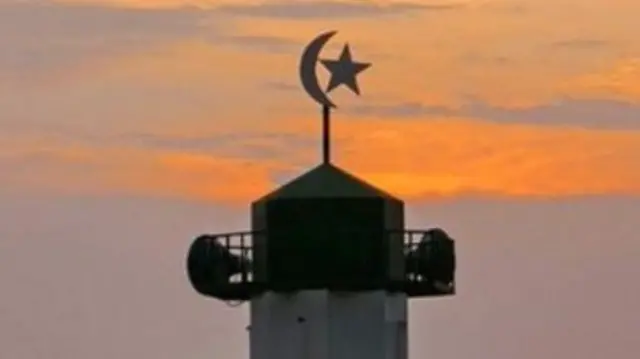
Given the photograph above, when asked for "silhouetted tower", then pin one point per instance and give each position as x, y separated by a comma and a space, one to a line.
328, 268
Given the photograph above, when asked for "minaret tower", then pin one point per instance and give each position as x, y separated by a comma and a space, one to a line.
328, 266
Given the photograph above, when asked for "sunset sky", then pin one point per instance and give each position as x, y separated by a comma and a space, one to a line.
127, 127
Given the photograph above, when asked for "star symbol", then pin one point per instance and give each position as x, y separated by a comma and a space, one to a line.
344, 71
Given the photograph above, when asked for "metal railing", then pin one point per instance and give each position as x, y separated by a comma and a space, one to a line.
243, 284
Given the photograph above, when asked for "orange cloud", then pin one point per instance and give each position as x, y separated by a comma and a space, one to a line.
621, 81
96, 171
206, 4
453, 157
414, 159
195, 177
153, 4
457, 54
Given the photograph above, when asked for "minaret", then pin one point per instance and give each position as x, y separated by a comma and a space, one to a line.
328, 266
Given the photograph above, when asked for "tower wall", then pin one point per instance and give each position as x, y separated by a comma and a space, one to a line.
334, 243
320, 324
328, 243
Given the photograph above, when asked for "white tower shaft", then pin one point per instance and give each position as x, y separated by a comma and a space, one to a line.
319, 324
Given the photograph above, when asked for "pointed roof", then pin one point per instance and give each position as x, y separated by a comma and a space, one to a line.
327, 180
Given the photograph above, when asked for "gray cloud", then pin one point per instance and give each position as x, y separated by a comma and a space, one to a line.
403, 110
252, 145
592, 113
43, 39
282, 86
478, 59
330, 9
506, 7
270, 44
604, 114
46, 38
580, 44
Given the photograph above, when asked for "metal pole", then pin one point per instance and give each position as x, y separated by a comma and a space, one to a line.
326, 130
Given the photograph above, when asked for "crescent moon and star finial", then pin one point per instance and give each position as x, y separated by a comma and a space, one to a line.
343, 72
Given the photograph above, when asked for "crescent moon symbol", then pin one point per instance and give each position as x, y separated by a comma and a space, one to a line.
308, 74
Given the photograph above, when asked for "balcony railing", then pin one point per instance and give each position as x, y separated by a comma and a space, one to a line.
222, 266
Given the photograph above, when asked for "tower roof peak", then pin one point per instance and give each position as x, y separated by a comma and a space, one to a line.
326, 181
